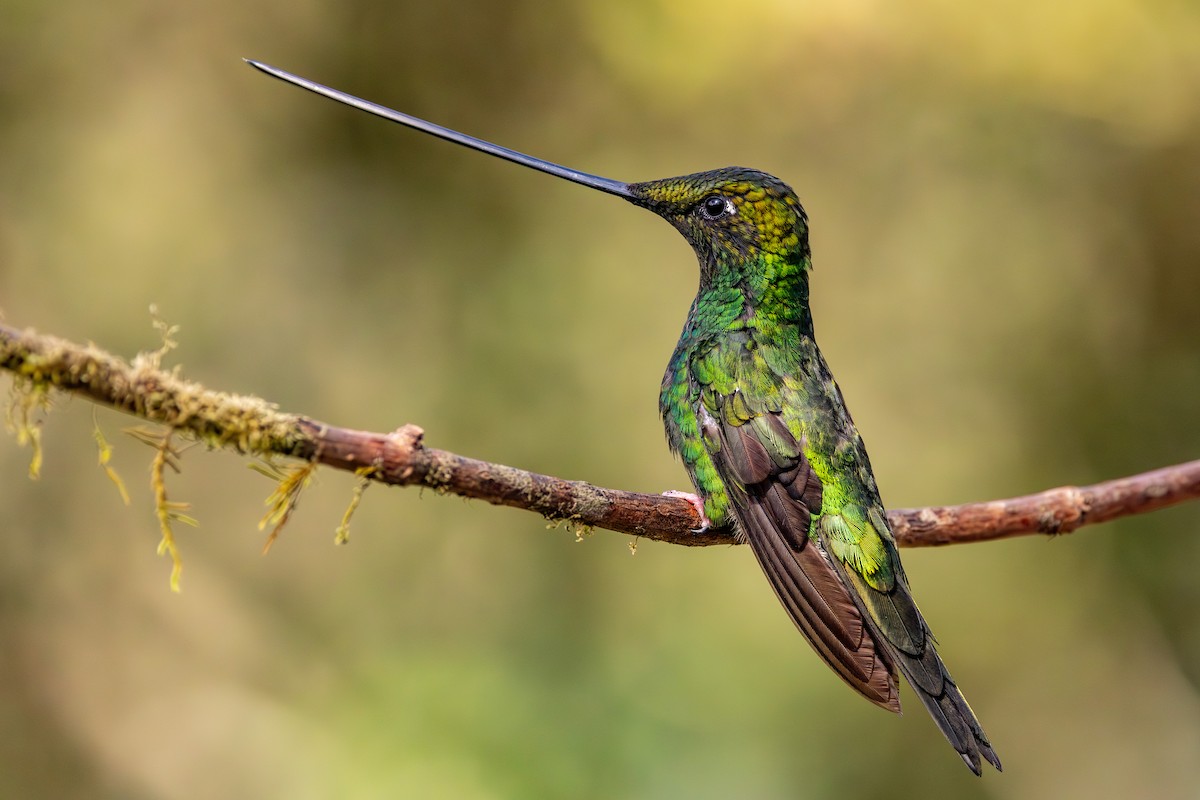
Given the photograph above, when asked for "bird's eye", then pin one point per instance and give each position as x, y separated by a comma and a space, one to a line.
715, 207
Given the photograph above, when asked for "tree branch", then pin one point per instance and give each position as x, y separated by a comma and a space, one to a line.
400, 458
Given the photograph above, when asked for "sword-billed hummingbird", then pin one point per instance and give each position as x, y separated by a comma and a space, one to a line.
752, 410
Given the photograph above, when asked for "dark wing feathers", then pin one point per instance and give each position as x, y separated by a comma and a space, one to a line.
811, 613
747, 456
790, 517
864, 632
775, 492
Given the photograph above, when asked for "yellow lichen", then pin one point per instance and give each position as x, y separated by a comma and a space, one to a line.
166, 333
28, 395
282, 502
580, 529
342, 534
166, 510
105, 454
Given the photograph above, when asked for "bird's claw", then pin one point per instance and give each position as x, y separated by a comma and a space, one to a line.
697, 503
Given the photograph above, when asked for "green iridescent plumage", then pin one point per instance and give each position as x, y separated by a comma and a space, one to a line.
752, 409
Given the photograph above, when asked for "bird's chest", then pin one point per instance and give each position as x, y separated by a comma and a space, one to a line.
703, 369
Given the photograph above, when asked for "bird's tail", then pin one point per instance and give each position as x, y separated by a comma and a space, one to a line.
905, 636
932, 682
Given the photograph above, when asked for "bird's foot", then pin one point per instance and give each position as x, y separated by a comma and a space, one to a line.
697, 503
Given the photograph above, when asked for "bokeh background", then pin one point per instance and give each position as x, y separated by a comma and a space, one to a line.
1005, 204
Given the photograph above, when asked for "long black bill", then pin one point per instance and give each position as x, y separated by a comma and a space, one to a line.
595, 181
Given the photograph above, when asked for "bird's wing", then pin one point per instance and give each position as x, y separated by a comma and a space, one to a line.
846, 590
775, 494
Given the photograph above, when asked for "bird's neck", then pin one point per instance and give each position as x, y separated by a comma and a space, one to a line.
765, 295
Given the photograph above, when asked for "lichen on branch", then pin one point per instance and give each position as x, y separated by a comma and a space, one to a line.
250, 425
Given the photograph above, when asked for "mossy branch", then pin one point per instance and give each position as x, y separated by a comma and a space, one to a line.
253, 426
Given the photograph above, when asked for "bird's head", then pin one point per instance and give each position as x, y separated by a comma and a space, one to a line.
729, 214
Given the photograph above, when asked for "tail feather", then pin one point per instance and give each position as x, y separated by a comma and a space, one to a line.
950, 711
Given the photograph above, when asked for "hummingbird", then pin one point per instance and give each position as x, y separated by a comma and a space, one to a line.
752, 410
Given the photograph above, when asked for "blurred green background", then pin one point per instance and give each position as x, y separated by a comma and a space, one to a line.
1005, 204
